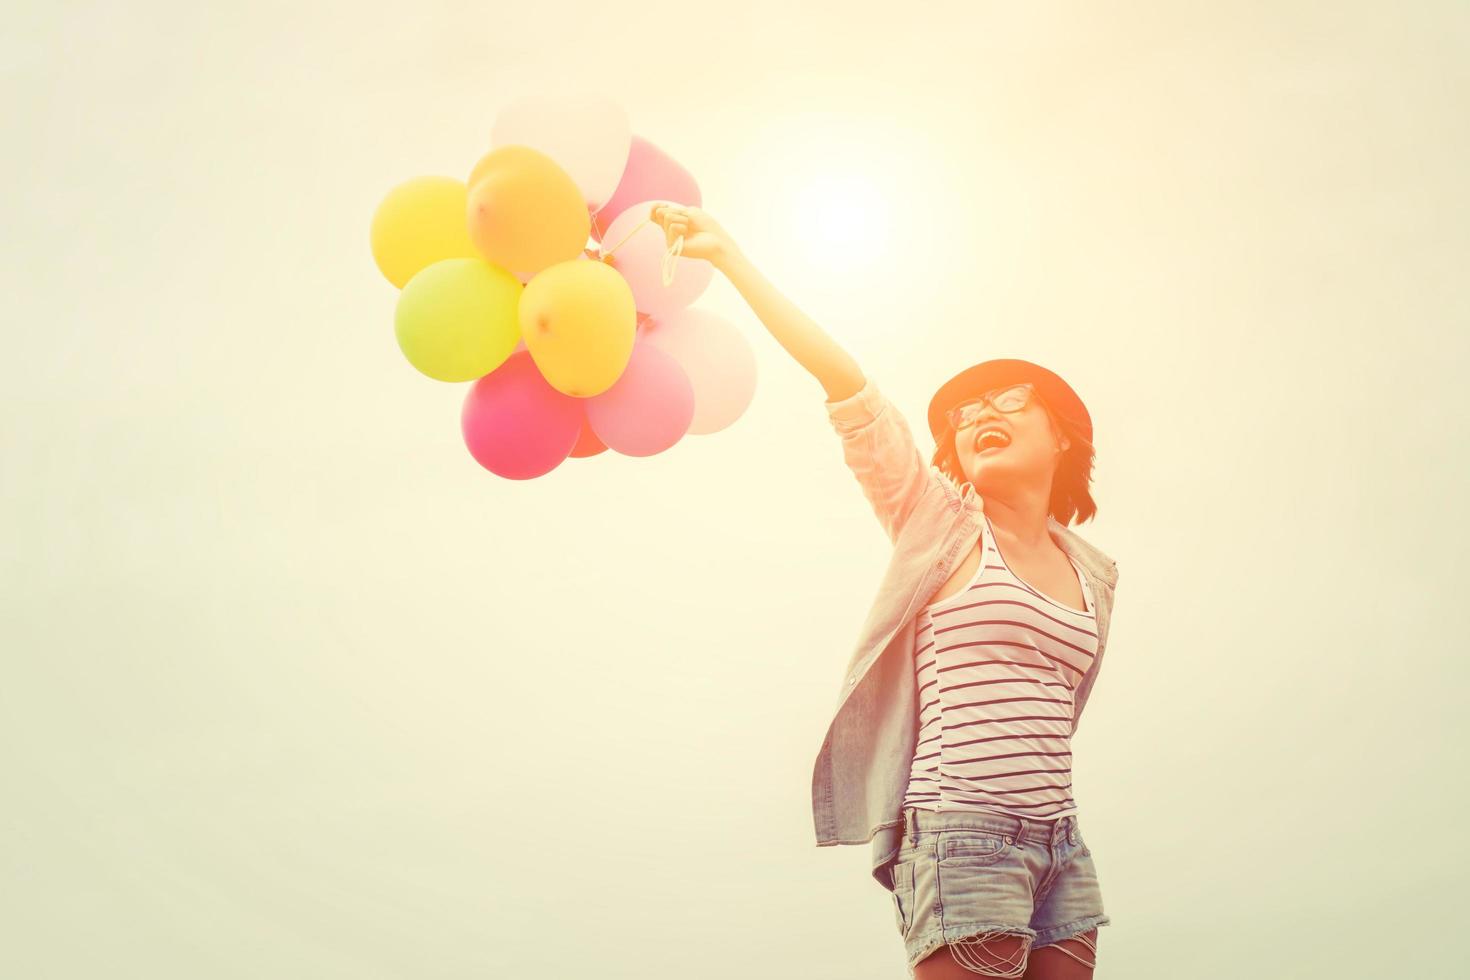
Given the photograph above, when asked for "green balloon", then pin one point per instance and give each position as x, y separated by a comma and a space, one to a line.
457, 318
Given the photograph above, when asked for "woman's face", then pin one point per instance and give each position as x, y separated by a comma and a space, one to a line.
1029, 457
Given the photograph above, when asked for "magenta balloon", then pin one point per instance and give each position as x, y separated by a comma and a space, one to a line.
717, 358
639, 257
515, 424
650, 174
647, 409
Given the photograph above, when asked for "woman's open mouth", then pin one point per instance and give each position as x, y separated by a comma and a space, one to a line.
991, 440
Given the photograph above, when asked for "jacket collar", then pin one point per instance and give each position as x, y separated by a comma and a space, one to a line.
1092, 558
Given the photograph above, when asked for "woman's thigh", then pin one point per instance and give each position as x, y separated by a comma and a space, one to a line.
1069, 959
995, 956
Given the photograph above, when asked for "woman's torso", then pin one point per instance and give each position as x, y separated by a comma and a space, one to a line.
996, 662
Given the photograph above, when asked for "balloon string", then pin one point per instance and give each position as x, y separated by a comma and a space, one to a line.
671, 252
671, 256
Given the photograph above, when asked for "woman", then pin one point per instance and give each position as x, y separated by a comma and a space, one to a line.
950, 746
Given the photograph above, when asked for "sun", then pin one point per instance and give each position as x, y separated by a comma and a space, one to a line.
851, 218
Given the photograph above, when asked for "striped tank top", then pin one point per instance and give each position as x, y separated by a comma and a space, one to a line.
996, 665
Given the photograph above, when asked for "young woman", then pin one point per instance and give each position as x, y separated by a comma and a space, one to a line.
950, 746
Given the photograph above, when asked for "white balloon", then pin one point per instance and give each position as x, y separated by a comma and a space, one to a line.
587, 135
719, 361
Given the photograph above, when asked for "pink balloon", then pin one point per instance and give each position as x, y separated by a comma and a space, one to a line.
650, 174
717, 358
647, 409
640, 259
515, 424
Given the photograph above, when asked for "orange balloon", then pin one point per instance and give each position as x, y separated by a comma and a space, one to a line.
578, 321
525, 212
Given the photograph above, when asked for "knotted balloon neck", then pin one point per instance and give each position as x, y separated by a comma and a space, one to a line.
671, 252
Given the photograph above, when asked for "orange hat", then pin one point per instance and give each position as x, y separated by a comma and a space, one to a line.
974, 381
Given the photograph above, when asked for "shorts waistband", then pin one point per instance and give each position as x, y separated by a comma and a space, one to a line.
1021, 829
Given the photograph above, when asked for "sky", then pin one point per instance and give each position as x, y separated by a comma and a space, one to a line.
295, 688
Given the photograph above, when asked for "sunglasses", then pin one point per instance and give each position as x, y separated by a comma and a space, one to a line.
1007, 400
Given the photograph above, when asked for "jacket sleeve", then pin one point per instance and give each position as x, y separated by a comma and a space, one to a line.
879, 448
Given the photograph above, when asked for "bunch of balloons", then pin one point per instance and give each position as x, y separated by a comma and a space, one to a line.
573, 348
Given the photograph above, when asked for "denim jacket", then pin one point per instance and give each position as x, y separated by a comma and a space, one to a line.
861, 773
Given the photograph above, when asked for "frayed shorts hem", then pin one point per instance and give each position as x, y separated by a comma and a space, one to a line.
1054, 935
921, 948
926, 946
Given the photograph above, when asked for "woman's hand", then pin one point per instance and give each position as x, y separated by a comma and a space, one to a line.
704, 238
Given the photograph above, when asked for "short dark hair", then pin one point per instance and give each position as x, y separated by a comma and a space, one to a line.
1071, 487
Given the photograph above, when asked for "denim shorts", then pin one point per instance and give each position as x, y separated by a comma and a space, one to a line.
962, 873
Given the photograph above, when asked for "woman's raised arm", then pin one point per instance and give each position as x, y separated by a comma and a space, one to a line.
877, 442
813, 348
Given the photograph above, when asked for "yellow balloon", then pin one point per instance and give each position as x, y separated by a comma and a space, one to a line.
419, 222
456, 320
525, 212
579, 324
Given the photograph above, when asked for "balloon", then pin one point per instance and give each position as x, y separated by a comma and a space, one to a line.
456, 320
526, 277
640, 259
587, 442
717, 358
419, 222
651, 174
578, 322
515, 424
648, 409
587, 135
524, 212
